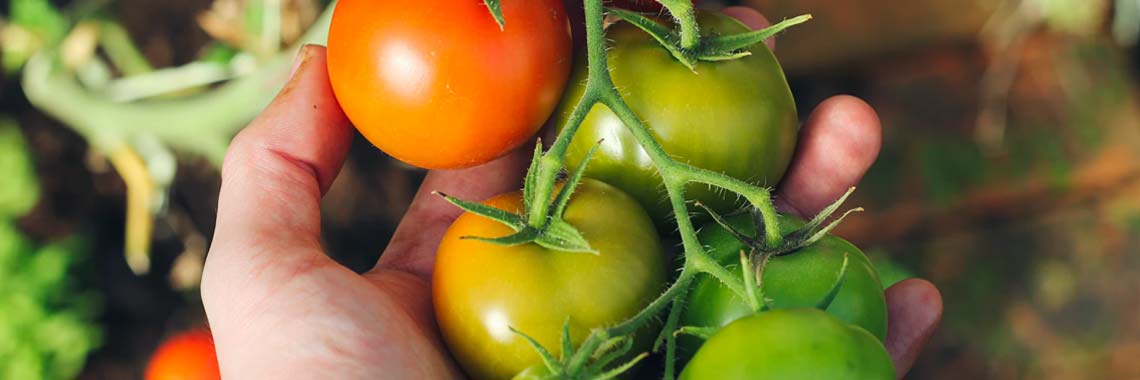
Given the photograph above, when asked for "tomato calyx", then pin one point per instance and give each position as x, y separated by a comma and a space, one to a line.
554, 233
571, 365
760, 252
809, 234
706, 49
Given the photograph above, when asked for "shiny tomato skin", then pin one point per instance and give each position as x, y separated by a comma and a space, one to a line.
735, 117
187, 356
480, 290
797, 280
790, 344
438, 85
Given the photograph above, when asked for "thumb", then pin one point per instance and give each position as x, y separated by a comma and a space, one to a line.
274, 174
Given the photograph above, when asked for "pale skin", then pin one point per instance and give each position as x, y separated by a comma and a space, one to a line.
280, 308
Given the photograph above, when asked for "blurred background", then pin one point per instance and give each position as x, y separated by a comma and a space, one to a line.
1010, 171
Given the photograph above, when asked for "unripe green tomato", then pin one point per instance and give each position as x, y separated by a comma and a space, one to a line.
735, 117
800, 279
791, 344
482, 290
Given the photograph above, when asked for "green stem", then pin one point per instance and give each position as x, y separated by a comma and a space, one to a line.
600, 89
682, 11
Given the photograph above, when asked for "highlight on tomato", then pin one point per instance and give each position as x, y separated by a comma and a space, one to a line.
443, 86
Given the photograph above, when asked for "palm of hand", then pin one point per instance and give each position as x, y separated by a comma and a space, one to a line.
280, 308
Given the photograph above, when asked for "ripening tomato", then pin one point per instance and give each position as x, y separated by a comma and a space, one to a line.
482, 290
735, 117
437, 84
800, 279
791, 344
185, 356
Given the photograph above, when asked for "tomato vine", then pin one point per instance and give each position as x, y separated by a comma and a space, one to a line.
542, 223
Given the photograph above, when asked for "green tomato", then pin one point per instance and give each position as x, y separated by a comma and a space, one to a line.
735, 117
791, 344
797, 280
482, 290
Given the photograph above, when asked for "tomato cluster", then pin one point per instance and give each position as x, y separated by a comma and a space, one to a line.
440, 84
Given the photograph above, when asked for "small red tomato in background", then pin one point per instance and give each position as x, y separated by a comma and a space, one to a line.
186, 356
438, 84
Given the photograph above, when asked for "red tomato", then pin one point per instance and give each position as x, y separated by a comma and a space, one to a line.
186, 356
437, 84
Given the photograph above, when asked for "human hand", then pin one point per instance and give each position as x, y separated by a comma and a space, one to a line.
279, 307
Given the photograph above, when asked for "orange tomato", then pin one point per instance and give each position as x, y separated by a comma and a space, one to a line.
186, 356
438, 85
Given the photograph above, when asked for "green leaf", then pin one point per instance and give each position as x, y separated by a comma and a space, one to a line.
496, 12
666, 37
720, 45
562, 236
839, 280
502, 216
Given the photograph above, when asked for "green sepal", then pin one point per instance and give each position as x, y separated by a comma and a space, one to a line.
723, 56
613, 373
560, 235
735, 232
526, 235
567, 345
814, 230
496, 12
571, 184
494, 213
608, 351
698, 331
733, 46
548, 359
831, 294
665, 36
532, 176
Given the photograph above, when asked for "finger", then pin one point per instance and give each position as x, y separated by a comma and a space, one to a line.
914, 309
274, 174
414, 243
753, 19
836, 146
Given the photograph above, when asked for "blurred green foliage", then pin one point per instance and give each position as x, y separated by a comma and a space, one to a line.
37, 18
20, 190
47, 323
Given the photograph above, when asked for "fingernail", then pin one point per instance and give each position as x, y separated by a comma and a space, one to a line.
302, 56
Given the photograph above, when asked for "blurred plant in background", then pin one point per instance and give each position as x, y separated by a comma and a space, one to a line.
80, 66
47, 322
